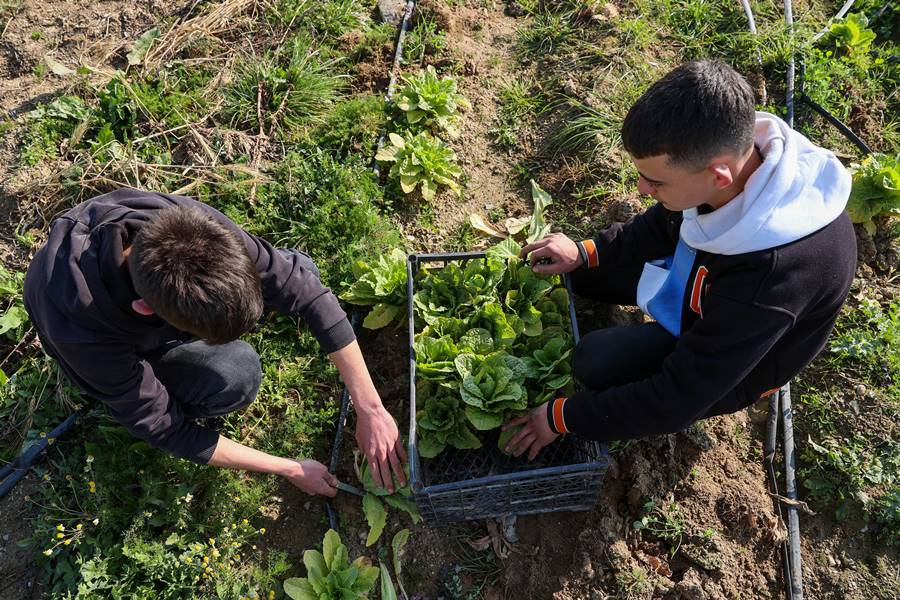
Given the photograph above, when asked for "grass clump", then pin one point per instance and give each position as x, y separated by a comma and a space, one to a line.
352, 127
284, 91
518, 104
425, 39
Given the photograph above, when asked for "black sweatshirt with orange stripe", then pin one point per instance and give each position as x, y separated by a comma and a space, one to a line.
750, 290
749, 323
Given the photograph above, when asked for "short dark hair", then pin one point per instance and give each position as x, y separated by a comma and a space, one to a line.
196, 274
695, 112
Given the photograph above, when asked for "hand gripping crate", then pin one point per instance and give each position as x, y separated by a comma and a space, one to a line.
462, 485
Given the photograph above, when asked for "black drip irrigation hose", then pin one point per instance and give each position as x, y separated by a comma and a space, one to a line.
821, 110
345, 397
13, 472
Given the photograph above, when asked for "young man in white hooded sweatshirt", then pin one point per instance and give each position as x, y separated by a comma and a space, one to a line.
743, 265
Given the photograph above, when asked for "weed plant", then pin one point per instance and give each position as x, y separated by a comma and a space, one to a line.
284, 91
424, 40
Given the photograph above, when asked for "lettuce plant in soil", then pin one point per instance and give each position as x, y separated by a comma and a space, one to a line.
382, 285
432, 102
331, 575
376, 497
421, 161
876, 190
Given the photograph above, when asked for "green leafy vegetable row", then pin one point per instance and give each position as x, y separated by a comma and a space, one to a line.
495, 341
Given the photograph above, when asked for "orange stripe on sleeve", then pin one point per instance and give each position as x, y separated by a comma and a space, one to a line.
593, 258
559, 420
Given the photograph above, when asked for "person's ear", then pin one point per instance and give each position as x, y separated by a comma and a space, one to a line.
722, 175
142, 308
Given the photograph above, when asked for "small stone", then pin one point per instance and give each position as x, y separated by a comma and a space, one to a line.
570, 88
307, 505
832, 562
392, 11
860, 390
514, 9
362, 535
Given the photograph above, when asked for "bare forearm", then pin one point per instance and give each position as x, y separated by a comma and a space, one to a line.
232, 455
352, 367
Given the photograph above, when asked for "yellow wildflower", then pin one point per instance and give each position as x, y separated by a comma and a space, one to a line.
78, 527
67, 542
59, 536
48, 552
59, 527
262, 531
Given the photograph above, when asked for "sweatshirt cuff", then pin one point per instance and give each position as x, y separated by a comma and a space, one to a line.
556, 415
200, 447
592, 259
337, 336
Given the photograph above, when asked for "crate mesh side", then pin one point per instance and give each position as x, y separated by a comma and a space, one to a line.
571, 491
454, 465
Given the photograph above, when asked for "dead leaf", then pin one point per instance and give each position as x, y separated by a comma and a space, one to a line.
57, 68
479, 224
658, 565
798, 504
516, 224
480, 544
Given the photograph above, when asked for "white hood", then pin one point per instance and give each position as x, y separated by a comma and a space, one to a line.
797, 190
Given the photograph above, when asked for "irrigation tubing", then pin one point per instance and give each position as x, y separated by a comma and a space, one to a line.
751, 24
848, 133
790, 464
769, 460
395, 68
354, 321
789, 83
11, 473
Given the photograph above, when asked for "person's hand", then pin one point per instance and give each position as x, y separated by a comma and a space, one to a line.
534, 435
552, 255
378, 438
312, 477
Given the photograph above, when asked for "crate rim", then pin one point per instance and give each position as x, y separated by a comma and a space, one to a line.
503, 477
412, 266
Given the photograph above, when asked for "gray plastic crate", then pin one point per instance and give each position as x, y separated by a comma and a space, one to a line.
461, 485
